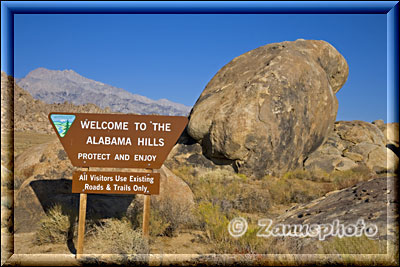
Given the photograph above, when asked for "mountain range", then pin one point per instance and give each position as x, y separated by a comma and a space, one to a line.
56, 86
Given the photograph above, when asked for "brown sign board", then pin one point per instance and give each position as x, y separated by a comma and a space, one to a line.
117, 140
100, 182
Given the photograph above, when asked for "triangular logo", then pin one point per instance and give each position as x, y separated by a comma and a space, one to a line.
62, 122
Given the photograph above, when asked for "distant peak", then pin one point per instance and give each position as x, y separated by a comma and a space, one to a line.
69, 71
43, 72
39, 70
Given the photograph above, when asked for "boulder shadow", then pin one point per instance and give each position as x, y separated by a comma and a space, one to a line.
99, 206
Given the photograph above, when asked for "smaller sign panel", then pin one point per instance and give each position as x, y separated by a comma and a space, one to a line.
99, 182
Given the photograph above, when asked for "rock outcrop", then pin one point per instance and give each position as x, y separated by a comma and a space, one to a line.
22, 113
43, 179
352, 144
268, 109
374, 201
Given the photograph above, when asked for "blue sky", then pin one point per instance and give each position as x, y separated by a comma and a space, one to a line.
175, 56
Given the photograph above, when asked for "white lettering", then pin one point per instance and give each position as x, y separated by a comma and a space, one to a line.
138, 157
122, 157
140, 125
94, 156
106, 140
146, 141
105, 125
162, 127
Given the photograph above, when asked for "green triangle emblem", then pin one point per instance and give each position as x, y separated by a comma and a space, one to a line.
62, 123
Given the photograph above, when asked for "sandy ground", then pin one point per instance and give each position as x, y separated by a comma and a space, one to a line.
184, 242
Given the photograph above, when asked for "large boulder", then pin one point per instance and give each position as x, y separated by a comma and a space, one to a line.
268, 109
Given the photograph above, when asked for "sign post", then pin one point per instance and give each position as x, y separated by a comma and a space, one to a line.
146, 215
81, 224
116, 141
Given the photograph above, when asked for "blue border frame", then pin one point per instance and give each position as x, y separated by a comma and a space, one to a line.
393, 64
390, 8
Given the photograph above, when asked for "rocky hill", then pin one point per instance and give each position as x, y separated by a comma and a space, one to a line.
54, 86
30, 115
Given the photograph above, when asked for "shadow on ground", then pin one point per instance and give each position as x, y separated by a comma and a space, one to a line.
99, 206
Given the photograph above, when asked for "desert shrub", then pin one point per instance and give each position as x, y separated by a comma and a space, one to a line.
301, 186
213, 221
158, 224
184, 172
118, 237
219, 188
254, 200
174, 215
292, 190
54, 227
166, 216
315, 176
349, 178
243, 176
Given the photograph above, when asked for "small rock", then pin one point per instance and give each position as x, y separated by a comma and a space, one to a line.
380, 124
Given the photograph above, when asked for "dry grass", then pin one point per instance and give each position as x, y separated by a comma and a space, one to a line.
301, 186
215, 223
354, 245
159, 226
355, 251
166, 217
232, 191
226, 189
222, 195
54, 227
118, 237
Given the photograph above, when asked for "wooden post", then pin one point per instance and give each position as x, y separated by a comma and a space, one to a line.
146, 213
81, 223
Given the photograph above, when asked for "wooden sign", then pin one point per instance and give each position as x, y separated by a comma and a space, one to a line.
115, 182
117, 140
